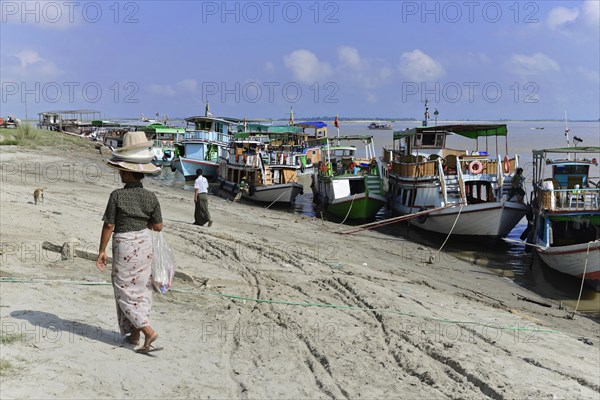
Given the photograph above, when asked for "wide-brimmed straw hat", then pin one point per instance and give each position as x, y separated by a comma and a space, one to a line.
134, 140
135, 155
146, 168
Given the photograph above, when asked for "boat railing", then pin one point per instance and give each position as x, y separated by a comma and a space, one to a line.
244, 160
422, 167
163, 143
209, 136
281, 158
584, 199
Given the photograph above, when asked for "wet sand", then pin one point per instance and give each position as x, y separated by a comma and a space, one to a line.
269, 304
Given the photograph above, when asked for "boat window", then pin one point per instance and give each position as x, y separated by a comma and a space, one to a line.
357, 186
571, 169
428, 140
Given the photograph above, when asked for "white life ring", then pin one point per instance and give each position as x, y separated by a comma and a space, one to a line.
475, 167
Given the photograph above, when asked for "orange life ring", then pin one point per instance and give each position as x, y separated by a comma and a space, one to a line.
506, 164
475, 167
389, 167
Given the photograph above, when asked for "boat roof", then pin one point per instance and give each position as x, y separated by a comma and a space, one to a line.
165, 129
69, 112
224, 120
311, 124
470, 131
565, 150
332, 148
267, 129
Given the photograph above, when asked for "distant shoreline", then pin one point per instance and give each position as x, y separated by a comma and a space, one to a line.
369, 120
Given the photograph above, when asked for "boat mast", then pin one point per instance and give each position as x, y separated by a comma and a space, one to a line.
426, 115
567, 130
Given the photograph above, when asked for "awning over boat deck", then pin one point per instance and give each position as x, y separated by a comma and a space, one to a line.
469, 131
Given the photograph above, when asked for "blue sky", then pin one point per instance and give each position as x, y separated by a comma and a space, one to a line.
472, 60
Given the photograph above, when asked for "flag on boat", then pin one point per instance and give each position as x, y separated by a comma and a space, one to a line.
207, 112
291, 116
245, 123
336, 123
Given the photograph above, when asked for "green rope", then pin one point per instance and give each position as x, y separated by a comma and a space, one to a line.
291, 303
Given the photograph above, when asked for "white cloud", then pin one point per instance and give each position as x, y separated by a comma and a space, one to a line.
419, 67
187, 85
349, 56
306, 67
585, 15
538, 63
590, 11
183, 86
360, 71
561, 17
29, 64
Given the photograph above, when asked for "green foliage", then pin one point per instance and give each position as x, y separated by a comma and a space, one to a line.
29, 137
8, 338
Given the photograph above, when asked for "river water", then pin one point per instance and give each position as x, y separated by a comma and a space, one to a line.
506, 259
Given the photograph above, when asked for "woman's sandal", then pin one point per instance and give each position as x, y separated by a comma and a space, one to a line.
147, 347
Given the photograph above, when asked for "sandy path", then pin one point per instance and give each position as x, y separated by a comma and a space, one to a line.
406, 344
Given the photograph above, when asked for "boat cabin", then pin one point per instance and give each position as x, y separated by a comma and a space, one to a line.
568, 174
569, 188
209, 124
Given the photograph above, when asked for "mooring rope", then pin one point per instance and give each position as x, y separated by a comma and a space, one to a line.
298, 303
432, 258
583, 276
350, 209
274, 201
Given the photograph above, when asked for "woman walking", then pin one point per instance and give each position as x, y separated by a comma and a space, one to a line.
131, 214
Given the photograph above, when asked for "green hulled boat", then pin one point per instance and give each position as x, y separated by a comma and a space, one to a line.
346, 185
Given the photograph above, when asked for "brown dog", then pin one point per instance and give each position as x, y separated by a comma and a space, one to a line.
37, 194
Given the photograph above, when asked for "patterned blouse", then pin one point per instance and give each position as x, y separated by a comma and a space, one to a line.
132, 208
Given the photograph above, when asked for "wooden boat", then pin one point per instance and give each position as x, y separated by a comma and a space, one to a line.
270, 182
566, 233
385, 127
164, 138
465, 193
346, 185
200, 147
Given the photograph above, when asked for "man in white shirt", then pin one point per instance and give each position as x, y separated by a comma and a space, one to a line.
201, 214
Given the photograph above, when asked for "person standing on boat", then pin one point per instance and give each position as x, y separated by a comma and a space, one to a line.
131, 213
516, 186
201, 214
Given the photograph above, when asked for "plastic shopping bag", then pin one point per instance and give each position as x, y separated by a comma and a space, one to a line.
163, 265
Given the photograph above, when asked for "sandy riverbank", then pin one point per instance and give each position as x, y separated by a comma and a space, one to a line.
403, 328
